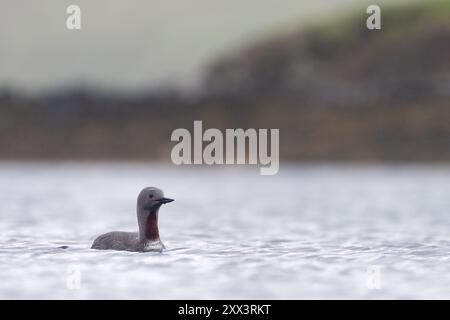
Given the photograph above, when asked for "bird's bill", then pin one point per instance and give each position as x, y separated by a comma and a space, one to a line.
165, 200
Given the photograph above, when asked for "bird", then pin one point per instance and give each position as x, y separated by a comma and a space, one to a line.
149, 201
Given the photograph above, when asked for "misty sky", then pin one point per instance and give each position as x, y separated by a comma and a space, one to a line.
136, 44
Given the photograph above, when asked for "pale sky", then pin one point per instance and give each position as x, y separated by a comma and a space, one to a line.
136, 44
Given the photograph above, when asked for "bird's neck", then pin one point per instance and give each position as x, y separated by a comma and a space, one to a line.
151, 231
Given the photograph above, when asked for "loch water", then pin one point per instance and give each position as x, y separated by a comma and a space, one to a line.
311, 231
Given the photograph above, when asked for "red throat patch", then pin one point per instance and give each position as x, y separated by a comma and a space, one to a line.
151, 227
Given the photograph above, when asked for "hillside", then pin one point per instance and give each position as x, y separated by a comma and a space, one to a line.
342, 62
336, 91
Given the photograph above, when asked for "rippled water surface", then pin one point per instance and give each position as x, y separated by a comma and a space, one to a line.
308, 232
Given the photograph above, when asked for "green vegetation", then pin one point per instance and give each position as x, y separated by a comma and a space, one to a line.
397, 21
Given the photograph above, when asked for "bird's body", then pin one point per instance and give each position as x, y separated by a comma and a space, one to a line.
128, 241
147, 239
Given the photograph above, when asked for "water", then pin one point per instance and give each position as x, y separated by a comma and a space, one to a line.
308, 232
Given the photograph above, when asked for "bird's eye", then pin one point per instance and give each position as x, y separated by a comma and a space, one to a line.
150, 196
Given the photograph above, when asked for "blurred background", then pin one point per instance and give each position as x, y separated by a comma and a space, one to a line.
364, 121
337, 91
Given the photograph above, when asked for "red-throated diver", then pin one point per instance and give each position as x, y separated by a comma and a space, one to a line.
147, 239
